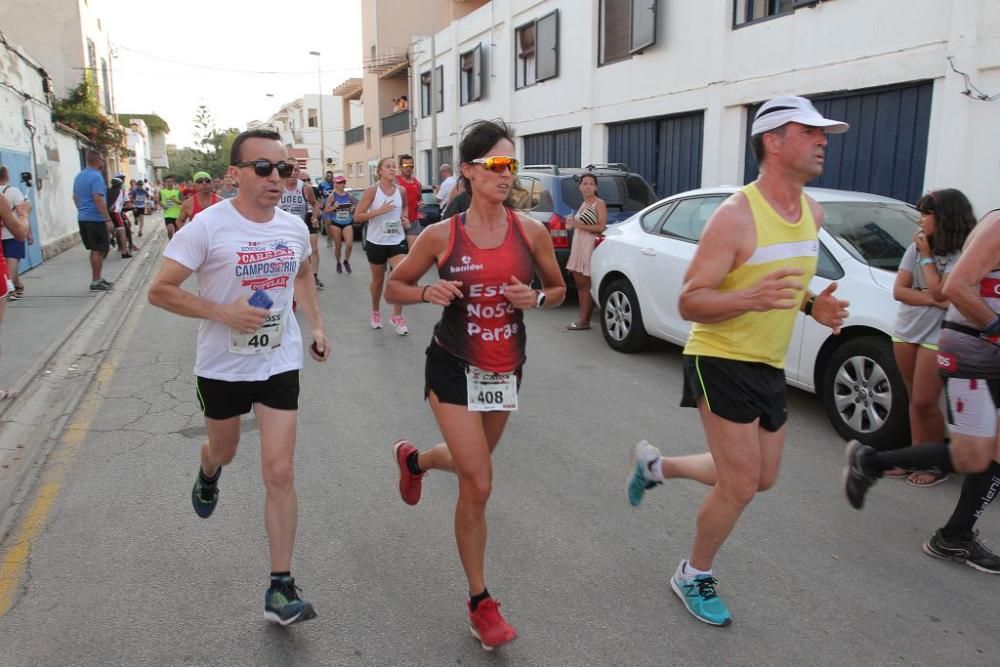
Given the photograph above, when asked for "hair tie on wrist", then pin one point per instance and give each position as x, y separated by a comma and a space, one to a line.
422, 293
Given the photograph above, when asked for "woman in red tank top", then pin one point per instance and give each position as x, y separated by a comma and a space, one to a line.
486, 259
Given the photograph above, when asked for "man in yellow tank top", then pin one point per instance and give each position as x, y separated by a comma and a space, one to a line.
746, 283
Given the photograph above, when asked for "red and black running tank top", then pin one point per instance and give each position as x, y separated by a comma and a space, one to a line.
482, 328
196, 209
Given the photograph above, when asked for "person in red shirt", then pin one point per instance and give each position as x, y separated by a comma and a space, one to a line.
411, 186
486, 259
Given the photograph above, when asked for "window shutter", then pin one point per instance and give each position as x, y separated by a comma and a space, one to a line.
547, 58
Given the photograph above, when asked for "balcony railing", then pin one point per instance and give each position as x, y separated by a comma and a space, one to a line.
395, 123
355, 135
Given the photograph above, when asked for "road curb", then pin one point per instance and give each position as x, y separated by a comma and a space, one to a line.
43, 360
15, 491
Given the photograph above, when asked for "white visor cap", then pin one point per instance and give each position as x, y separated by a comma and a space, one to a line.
791, 109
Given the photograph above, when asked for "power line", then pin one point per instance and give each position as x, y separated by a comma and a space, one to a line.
234, 70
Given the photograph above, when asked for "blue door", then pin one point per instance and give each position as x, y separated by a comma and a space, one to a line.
666, 151
559, 148
885, 151
16, 164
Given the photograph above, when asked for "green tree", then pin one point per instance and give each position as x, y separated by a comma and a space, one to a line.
80, 111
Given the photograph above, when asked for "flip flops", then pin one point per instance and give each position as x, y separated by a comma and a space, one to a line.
926, 478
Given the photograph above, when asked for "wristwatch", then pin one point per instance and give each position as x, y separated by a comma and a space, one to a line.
540, 301
808, 309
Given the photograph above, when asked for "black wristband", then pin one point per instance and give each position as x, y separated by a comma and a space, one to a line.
423, 293
993, 327
808, 309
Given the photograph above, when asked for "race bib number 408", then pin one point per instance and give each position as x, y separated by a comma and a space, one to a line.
488, 391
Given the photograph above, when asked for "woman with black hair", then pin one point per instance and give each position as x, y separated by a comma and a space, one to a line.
945, 222
486, 258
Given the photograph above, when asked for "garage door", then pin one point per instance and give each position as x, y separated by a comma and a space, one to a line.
560, 148
885, 151
666, 151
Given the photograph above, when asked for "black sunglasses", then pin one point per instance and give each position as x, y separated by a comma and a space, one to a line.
204, 180
263, 168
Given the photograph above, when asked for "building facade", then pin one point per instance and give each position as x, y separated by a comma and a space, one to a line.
155, 131
69, 39
314, 137
388, 28
669, 88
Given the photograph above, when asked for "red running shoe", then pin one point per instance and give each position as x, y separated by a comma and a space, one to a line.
409, 484
488, 626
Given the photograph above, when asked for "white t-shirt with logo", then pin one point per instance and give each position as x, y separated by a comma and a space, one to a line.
15, 198
232, 257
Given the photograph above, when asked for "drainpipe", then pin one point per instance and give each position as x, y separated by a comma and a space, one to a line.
435, 166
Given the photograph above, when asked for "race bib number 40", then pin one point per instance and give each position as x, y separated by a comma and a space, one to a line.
267, 338
488, 391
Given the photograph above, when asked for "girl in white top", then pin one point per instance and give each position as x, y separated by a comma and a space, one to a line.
382, 207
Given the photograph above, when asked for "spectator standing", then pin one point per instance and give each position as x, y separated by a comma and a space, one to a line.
18, 227
13, 249
447, 185
89, 191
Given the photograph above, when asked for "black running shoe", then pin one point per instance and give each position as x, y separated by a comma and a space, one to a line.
205, 495
857, 480
283, 605
970, 552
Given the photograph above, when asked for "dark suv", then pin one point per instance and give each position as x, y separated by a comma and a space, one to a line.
549, 194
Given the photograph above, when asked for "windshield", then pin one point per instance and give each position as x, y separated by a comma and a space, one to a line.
620, 193
875, 233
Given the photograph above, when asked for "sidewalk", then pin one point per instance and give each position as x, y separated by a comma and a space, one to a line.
57, 298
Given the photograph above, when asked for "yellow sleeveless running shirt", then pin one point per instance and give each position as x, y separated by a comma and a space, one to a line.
753, 336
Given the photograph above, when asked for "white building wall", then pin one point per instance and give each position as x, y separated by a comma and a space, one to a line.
56, 154
292, 123
701, 63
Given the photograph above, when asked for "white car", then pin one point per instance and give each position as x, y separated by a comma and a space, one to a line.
637, 272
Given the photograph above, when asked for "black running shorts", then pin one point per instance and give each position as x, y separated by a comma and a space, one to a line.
220, 399
444, 374
170, 221
740, 391
380, 254
95, 236
308, 219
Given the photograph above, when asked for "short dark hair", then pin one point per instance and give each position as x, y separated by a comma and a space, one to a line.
406, 156
235, 155
4, 173
93, 156
757, 142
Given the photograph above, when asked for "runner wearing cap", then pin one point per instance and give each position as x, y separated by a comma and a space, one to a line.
340, 226
204, 196
747, 280
969, 359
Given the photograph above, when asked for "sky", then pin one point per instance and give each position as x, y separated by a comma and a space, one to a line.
243, 59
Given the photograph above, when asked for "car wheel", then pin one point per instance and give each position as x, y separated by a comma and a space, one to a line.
864, 394
621, 320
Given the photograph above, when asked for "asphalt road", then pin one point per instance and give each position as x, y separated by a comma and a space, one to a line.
124, 573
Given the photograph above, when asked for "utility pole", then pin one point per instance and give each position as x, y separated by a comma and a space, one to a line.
322, 134
435, 166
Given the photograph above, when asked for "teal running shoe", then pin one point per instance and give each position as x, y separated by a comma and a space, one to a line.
283, 605
643, 454
699, 597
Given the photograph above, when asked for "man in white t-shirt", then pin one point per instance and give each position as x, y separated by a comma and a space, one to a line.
252, 261
448, 181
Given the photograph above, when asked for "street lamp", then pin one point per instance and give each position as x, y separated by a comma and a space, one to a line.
322, 135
